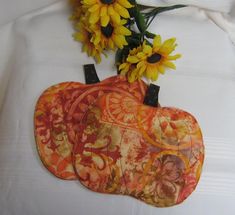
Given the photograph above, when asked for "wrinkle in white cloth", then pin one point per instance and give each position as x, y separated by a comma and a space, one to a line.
216, 10
223, 22
215, 5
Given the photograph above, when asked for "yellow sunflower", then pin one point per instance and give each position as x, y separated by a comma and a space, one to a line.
129, 69
111, 36
84, 35
106, 10
153, 59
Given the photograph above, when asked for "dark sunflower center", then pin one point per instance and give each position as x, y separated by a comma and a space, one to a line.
107, 1
154, 58
107, 31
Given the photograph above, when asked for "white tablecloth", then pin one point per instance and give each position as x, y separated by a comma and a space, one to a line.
37, 50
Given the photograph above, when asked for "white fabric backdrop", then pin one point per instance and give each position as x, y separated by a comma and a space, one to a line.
37, 51
11, 9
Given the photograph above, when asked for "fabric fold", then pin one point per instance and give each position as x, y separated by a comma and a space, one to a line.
215, 5
217, 11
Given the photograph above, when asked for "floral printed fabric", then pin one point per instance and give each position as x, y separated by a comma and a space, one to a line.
58, 115
153, 154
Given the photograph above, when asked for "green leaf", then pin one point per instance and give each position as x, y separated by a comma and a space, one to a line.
140, 21
118, 57
133, 42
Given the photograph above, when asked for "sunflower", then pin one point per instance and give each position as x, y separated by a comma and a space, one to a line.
111, 36
84, 35
106, 10
151, 60
128, 68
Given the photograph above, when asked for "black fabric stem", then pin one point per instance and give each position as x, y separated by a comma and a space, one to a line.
91, 76
151, 97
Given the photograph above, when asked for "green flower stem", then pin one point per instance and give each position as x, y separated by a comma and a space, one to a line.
150, 16
149, 35
158, 10
143, 20
149, 21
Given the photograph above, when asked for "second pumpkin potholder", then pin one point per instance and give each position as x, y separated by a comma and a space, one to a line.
154, 154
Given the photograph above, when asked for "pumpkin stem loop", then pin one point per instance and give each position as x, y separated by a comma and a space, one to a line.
151, 97
91, 76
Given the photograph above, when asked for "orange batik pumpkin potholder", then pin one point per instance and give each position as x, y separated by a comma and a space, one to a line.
126, 147
59, 112
114, 138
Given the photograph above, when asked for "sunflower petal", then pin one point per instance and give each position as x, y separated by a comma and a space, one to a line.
111, 44
169, 64
154, 76
161, 69
116, 18
111, 10
104, 20
96, 39
170, 42
103, 11
148, 72
125, 3
123, 65
132, 59
125, 70
122, 30
147, 49
94, 17
168, 46
78, 37
89, 2
132, 76
94, 8
121, 10
157, 43
174, 57
119, 40
142, 70
123, 21
140, 55
140, 64
98, 58
93, 52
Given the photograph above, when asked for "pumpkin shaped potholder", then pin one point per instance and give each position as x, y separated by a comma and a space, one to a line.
154, 154
58, 115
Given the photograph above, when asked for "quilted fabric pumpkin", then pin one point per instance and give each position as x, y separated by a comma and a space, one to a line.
154, 154
58, 114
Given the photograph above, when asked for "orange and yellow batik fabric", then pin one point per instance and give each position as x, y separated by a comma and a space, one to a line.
153, 154
58, 116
